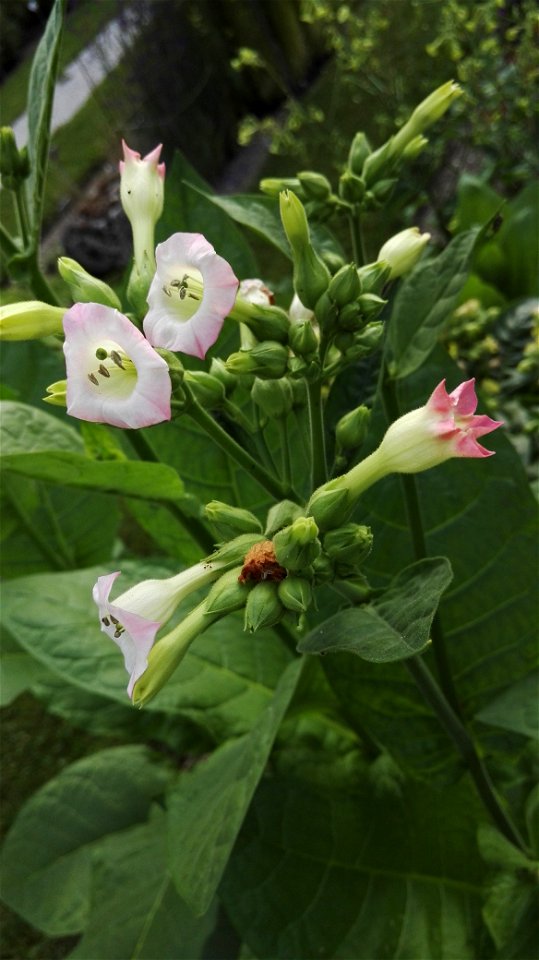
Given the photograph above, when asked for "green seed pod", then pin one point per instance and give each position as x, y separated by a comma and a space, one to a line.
295, 594
350, 544
263, 607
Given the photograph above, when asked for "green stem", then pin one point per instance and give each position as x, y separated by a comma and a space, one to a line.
419, 546
233, 449
39, 285
233, 413
285, 450
22, 215
196, 530
316, 428
466, 747
356, 236
7, 243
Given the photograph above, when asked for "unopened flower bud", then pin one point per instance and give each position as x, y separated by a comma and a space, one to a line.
351, 318
415, 147
142, 197
345, 287
351, 187
228, 521
311, 275
14, 165
234, 551
302, 338
371, 304
226, 594
295, 594
57, 394
265, 321
359, 151
351, 429
326, 312
297, 546
219, 371
315, 185
281, 515
30, 320
267, 360
402, 251
273, 186
207, 390
367, 341
425, 114
349, 544
330, 504
263, 607
274, 397
373, 277
83, 287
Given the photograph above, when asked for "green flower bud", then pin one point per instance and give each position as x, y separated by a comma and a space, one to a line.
227, 594
377, 163
359, 151
315, 185
281, 515
366, 342
330, 504
425, 114
207, 390
402, 251
351, 318
297, 546
267, 360
371, 304
30, 320
83, 287
302, 338
349, 544
351, 187
295, 594
227, 520
234, 551
263, 607
332, 260
274, 397
345, 287
273, 186
326, 312
351, 429
266, 322
219, 371
415, 147
14, 165
383, 189
373, 277
323, 569
57, 394
311, 276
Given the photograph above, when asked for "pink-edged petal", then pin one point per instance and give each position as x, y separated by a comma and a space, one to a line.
102, 588
482, 424
467, 446
464, 398
139, 399
439, 400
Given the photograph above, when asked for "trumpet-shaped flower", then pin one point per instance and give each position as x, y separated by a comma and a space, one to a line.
133, 619
193, 290
113, 374
402, 251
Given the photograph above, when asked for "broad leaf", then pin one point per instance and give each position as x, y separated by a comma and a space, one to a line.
47, 855
207, 806
135, 911
424, 302
510, 910
397, 625
225, 681
40, 99
315, 873
516, 708
18, 670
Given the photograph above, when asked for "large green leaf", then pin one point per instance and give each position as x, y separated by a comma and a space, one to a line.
226, 679
206, 808
40, 99
397, 625
319, 874
516, 708
135, 911
424, 302
47, 854
18, 670
482, 516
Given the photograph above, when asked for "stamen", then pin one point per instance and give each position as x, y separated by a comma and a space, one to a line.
114, 620
103, 371
106, 621
93, 379
167, 290
116, 358
101, 353
118, 632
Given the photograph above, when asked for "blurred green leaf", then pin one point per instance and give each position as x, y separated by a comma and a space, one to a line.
476, 203
516, 708
397, 625
47, 854
208, 805
423, 303
134, 908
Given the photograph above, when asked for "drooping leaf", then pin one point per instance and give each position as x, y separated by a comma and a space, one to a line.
135, 911
424, 302
516, 708
319, 873
397, 625
208, 805
47, 854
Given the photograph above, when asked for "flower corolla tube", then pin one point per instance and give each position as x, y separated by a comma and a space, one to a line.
192, 292
113, 374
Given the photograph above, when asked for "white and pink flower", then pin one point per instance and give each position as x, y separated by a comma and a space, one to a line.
113, 374
192, 292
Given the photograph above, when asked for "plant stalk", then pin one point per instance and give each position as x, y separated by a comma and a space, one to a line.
316, 428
